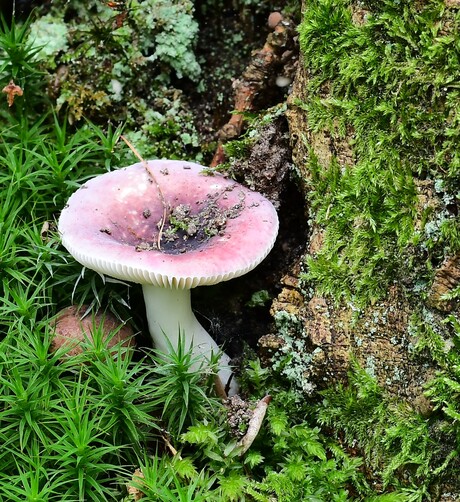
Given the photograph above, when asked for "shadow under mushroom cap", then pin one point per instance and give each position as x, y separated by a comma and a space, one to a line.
111, 225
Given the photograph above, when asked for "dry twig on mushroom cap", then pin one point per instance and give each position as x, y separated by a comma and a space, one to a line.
160, 192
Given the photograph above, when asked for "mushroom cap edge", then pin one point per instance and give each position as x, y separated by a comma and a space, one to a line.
84, 226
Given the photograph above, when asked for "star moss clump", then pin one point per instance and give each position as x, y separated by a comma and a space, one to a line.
383, 78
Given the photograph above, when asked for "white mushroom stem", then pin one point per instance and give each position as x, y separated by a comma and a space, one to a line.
169, 314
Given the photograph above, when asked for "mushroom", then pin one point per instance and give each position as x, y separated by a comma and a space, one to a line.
274, 19
71, 329
215, 230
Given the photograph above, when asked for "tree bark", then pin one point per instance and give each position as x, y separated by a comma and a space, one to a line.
329, 335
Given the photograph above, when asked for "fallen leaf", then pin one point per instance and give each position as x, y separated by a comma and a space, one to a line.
133, 492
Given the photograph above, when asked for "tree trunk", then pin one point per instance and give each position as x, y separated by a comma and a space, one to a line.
323, 329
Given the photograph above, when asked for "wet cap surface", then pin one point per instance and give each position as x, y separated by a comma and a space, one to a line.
111, 225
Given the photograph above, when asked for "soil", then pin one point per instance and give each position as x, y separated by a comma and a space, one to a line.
21, 8
238, 415
224, 47
186, 230
225, 309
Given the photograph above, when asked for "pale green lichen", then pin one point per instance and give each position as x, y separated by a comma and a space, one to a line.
173, 43
295, 357
370, 366
50, 34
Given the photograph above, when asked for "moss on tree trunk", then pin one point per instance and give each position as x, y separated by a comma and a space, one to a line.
373, 118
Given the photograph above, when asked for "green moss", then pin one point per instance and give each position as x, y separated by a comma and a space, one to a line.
238, 148
387, 86
444, 346
368, 213
404, 449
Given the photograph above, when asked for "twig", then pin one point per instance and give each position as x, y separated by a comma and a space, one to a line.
170, 447
254, 424
160, 192
219, 388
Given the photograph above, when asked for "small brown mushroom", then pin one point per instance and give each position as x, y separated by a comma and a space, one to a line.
274, 19
72, 328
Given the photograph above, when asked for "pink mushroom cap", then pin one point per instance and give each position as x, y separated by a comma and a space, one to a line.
109, 216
